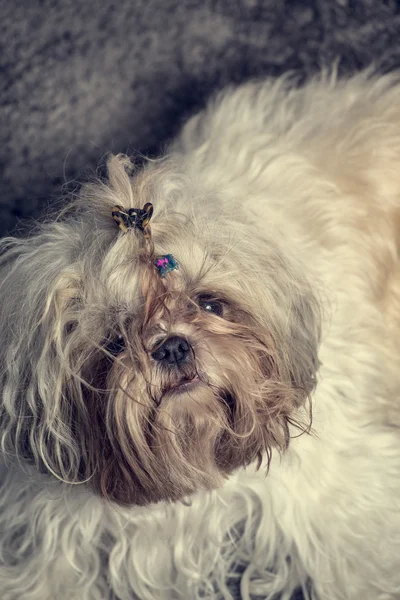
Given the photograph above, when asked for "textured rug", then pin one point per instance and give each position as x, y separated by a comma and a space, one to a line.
81, 78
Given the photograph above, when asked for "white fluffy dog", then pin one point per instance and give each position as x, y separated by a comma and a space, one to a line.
158, 371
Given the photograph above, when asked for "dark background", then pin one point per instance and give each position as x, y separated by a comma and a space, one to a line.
80, 78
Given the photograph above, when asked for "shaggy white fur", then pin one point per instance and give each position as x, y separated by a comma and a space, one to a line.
310, 177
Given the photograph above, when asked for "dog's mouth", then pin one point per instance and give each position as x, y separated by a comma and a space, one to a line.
184, 385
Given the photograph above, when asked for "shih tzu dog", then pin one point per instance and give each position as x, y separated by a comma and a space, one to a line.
200, 381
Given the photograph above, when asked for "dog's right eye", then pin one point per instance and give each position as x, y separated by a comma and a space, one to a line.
210, 305
116, 345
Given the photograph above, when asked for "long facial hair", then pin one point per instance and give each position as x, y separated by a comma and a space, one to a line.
161, 433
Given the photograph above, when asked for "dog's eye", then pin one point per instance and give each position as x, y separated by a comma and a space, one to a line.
116, 345
216, 307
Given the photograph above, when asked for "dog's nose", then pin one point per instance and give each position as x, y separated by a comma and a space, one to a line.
173, 351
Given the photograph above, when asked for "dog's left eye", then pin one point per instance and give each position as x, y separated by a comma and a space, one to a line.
216, 307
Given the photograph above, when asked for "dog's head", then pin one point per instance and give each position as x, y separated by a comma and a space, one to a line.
147, 387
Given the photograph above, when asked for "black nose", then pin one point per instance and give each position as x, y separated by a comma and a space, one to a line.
173, 351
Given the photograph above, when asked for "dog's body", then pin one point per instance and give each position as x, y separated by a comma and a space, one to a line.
310, 179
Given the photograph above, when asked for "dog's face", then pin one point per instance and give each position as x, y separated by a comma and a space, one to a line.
150, 388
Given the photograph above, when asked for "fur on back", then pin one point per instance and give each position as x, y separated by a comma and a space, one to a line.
296, 193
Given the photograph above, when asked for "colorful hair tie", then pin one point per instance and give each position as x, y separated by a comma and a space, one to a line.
133, 218
164, 264
139, 218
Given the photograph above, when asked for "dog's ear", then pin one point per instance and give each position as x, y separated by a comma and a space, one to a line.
39, 304
295, 329
289, 326
300, 341
285, 311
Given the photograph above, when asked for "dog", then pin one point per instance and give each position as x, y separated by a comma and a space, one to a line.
200, 383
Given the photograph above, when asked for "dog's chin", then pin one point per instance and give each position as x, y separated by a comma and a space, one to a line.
190, 436
180, 449
194, 400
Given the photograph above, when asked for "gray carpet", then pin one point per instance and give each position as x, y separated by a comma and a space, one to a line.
80, 78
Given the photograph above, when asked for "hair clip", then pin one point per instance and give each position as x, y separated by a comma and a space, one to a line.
134, 218
166, 263
139, 218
